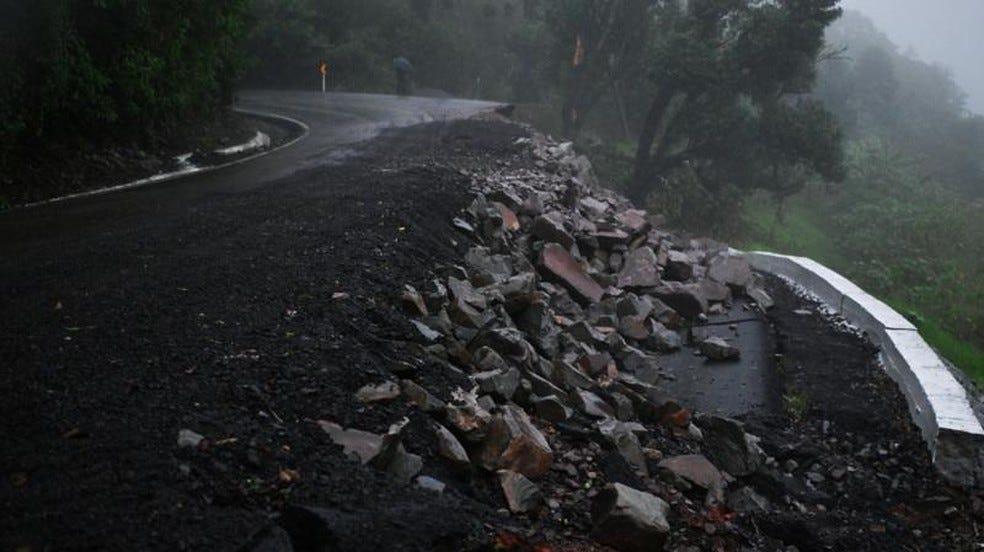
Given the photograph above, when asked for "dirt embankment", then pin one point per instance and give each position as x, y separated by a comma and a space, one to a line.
55, 170
194, 383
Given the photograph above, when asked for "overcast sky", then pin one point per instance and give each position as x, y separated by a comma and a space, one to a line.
950, 32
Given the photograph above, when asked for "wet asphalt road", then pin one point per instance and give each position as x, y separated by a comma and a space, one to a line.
336, 121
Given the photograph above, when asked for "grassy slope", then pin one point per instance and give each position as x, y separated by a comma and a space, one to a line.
801, 234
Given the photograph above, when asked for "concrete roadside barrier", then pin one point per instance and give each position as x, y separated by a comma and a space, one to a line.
938, 404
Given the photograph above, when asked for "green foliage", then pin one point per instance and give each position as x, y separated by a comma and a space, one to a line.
900, 236
728, 112
465, 48
114, 69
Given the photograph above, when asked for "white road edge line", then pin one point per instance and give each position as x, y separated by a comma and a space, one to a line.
937, 402
166, 177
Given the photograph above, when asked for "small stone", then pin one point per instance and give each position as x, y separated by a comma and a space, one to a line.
695, 469
413, 301
514, 443
592, 405
761, 298
634, 327
385, 391
522, 495
189, 439
510, 221
421, 397
627, 444
663, 339
634, 221
428, 483
716, 348
500, 383
428, 334
551, 409
746, 501
462, 225
469, 418
450, 448
404, 466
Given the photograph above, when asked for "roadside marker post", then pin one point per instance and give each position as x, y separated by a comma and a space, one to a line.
323, 69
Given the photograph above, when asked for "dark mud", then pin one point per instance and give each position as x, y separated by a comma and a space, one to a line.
847, 422
222, 320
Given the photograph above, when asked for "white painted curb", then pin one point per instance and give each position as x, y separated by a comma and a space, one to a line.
166, 177
938, 403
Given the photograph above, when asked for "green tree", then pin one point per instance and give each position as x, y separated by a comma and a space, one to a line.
727, 74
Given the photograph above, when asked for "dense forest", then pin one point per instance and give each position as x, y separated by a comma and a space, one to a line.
110, 70
786, 125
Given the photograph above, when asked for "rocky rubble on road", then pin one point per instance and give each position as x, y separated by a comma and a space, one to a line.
558, 314
559, 317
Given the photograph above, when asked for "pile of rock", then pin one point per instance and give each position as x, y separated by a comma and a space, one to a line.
558, 315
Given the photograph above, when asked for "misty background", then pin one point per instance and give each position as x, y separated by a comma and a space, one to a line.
948, 32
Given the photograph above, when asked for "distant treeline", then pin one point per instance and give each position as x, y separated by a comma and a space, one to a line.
98, 71
916, 107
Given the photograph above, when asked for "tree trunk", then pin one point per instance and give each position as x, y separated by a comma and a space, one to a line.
662, 112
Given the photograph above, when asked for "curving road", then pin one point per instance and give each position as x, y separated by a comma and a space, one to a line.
335, 121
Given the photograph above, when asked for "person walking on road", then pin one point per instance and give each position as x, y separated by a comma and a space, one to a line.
404, 72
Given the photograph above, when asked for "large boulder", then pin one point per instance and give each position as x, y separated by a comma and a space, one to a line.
686, 299
557, 264
731, 270
735, 451
629, 520
640, 270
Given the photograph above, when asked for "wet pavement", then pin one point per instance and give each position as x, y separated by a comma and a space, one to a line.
336, 122
730, 388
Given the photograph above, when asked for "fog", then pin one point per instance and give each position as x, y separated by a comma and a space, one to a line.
942, 31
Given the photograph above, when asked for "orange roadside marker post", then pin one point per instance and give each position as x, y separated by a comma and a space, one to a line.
323, 69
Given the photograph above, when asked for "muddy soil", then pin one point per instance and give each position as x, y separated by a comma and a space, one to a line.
225, 320
847, 422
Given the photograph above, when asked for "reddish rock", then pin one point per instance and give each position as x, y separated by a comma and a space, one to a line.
558, 263
509, 219
514, 443
607, 239
634, 221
